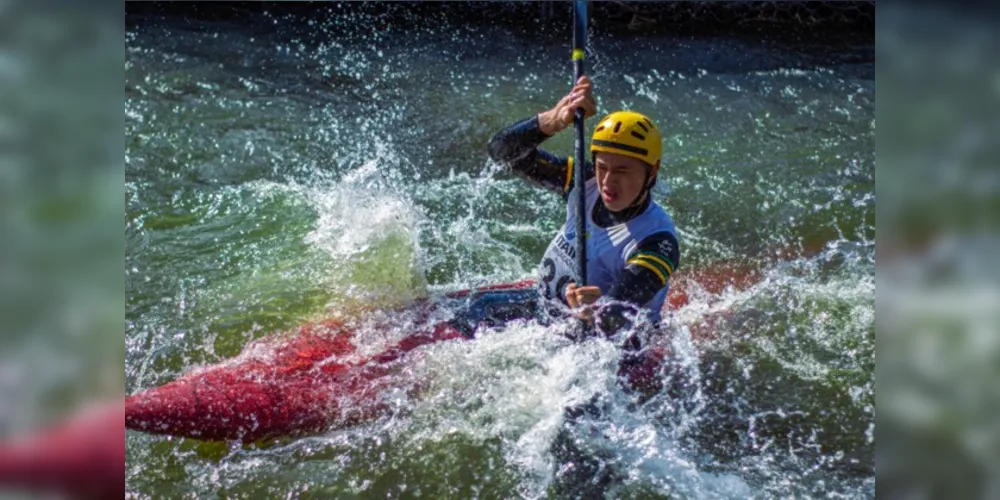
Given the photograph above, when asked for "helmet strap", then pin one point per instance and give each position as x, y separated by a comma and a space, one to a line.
646, 185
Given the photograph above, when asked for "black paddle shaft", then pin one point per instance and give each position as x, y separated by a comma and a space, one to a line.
580, 163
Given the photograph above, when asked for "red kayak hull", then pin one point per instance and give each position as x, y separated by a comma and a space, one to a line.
304, 384
296, 386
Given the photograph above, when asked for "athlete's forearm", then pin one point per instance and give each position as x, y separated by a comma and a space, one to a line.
517, 141
548, 123
516, 147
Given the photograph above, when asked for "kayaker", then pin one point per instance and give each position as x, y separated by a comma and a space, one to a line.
632, 244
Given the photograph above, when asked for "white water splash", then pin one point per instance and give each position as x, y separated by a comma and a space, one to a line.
370, 236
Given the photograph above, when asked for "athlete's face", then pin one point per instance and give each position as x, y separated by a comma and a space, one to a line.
620, 179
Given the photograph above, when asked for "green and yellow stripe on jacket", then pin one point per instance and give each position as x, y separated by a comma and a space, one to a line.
656, 262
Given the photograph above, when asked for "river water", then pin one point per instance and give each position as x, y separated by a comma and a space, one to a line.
286, 168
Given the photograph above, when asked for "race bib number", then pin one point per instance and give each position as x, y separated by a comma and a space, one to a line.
557, 268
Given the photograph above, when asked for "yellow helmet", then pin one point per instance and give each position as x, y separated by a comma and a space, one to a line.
628, 133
